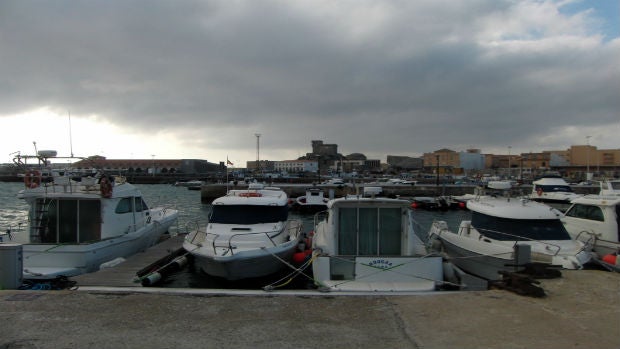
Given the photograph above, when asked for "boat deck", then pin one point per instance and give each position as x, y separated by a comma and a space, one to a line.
124, 274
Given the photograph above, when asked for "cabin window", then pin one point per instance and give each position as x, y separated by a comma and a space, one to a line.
140, 204
593, 213
90, 221
508, 229
67, 221
347, 231
369, 231
248, 214
390, 231
554, 188
123, 206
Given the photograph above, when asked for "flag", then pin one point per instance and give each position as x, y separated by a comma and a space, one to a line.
229, 163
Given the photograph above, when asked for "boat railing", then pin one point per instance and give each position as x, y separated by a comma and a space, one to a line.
552, 248
592, 239
320, 216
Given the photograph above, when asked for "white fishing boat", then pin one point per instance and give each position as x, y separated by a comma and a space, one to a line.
485, 245
368, 244
552, 189
248, 235
595, 219
314, 201
78, 223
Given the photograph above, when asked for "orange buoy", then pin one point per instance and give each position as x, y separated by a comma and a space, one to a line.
610, 258
299, 257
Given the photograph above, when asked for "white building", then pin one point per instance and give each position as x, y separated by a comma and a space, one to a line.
295, 166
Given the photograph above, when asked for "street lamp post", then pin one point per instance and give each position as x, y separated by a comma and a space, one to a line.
509, 168
437, 170
588, 158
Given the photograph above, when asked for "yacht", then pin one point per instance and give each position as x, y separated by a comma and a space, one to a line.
488, 243
553, 190
595, 219
312, 202
248, 235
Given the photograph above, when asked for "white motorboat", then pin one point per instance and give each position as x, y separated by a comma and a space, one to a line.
78, 223
314, 201
248, 234
368, 244
486, 244
553, 190
595, 219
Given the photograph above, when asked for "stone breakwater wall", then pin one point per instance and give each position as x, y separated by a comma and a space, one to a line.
211, 192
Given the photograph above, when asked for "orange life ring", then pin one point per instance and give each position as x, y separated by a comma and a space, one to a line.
32, 179
539, 191
106, 187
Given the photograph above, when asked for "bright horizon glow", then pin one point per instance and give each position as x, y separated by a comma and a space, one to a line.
87, 137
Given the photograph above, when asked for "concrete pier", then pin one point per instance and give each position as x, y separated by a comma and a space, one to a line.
581, 310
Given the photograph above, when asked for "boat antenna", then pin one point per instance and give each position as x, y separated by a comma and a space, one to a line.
70, 135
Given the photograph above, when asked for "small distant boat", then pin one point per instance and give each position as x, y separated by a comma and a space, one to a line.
552, 189
438, 203
248, 235
78, 223
368, 244
314, 201
485, 245
192, 185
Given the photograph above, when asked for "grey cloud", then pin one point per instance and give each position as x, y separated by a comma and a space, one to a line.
217, 68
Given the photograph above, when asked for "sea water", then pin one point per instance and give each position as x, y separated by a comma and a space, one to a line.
192, 214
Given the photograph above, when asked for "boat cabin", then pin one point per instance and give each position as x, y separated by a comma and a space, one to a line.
61, 220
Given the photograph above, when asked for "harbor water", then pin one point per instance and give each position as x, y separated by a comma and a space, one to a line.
193, 214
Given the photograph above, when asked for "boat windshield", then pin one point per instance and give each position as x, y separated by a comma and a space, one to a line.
248, 214
554, 188
508, 229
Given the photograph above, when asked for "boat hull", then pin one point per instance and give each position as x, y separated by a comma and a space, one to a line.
46, 261
484, 266
373, 274
247, 264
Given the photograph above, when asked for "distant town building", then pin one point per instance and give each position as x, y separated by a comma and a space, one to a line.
472, 159
404, 163
321, 149
295, 166
149, 166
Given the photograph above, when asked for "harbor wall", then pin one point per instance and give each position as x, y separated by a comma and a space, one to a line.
210, 192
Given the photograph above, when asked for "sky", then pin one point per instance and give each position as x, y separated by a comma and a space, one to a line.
200, 79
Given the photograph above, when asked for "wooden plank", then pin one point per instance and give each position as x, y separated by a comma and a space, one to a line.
124, 274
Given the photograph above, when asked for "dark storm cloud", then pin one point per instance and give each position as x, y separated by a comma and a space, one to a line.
375, 77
